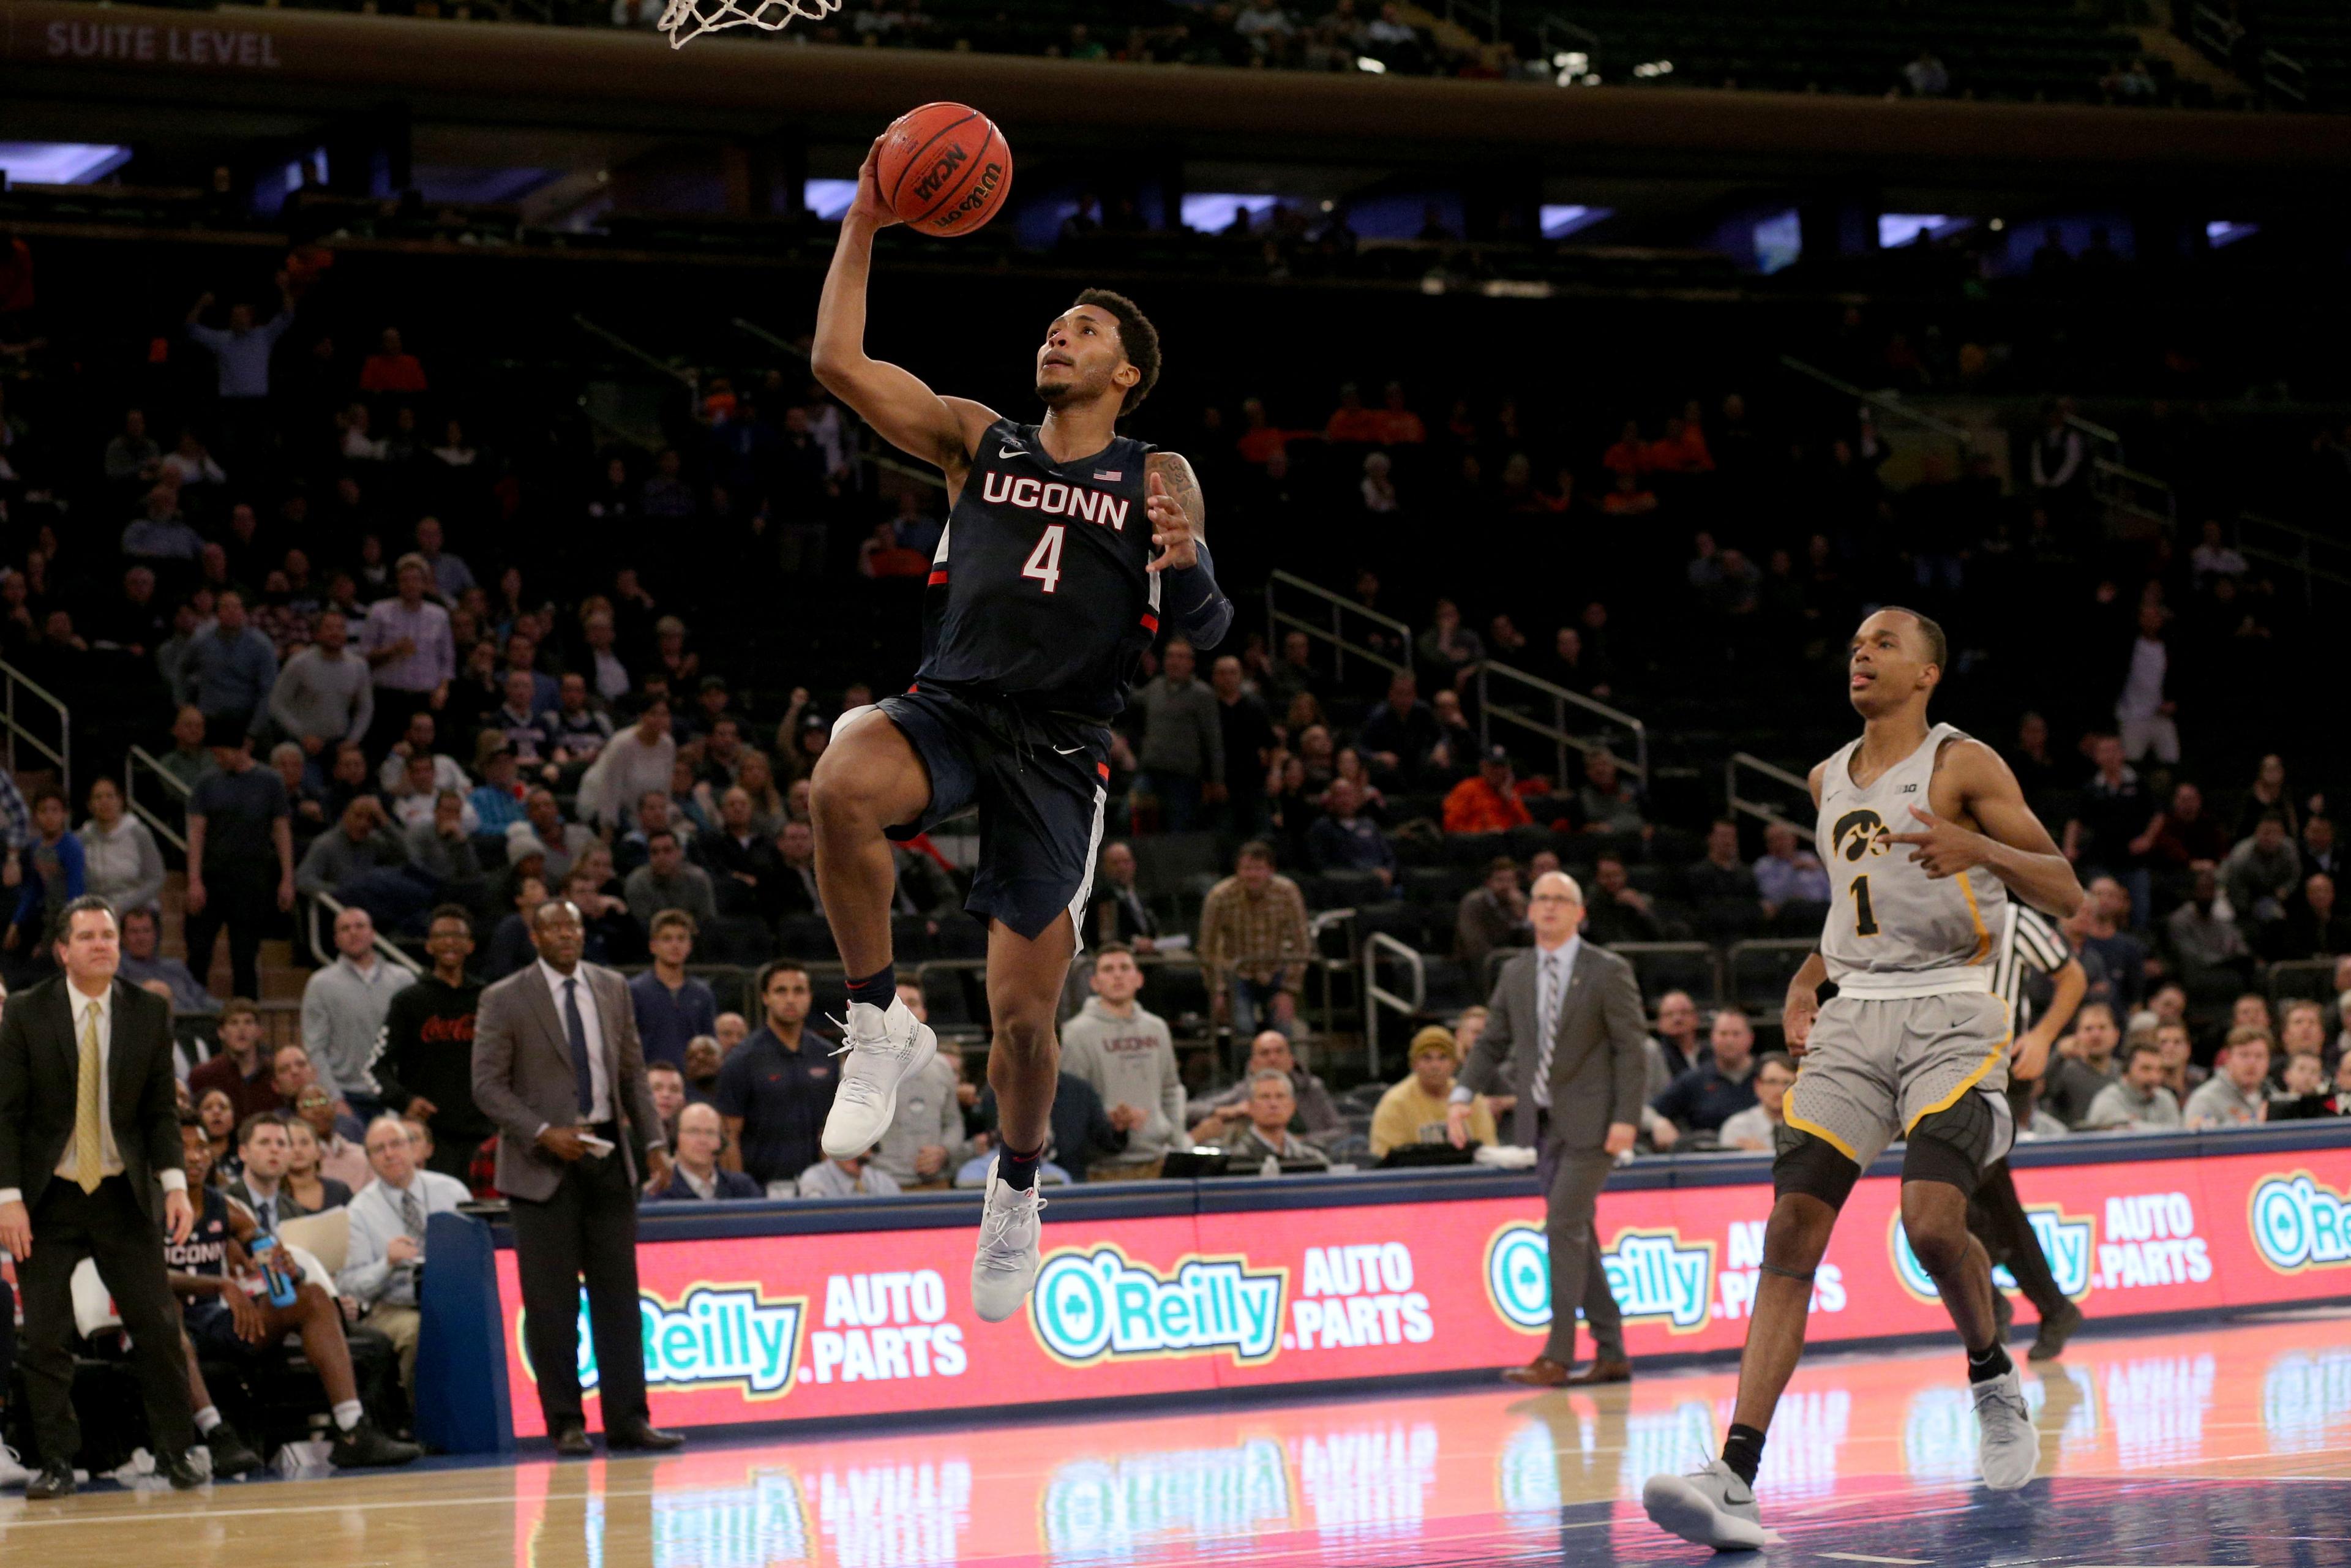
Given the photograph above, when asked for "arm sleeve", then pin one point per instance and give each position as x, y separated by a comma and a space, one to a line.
1194, 602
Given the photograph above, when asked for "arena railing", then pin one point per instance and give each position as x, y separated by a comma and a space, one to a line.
2301, 979
1556, 731
2286, 77
322, 947
172, 830
2299, 549
1741, 805
1889, 404
59, 754
1341, 614
1376, 996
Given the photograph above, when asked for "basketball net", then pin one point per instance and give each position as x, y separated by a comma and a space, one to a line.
685, 20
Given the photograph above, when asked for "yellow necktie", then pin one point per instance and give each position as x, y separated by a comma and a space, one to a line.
90, 1145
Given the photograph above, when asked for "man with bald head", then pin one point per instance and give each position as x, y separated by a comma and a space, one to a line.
1566, 1035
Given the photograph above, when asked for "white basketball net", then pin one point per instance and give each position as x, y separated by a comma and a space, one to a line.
685, 20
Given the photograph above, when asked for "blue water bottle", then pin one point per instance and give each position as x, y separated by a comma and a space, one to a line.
273, 1270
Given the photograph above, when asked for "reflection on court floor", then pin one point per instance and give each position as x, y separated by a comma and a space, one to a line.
2216, 1448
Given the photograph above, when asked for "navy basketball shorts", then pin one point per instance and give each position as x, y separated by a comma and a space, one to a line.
212, 1329
1040, 782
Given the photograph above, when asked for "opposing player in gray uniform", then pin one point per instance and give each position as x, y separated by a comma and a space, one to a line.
1913, 1046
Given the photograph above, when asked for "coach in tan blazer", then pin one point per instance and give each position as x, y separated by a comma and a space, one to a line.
1564, 1033
556, 1064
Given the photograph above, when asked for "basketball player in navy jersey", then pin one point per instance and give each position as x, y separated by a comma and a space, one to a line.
1066, 544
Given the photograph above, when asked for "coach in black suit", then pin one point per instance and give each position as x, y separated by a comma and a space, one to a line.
1564, 1032
90, 1167
556, 1061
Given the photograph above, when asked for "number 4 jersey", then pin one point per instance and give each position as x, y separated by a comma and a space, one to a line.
1039, 591
1892, 930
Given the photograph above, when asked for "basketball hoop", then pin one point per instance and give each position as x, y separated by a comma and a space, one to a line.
685, 20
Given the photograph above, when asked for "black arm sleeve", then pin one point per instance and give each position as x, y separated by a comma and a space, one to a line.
1196, 604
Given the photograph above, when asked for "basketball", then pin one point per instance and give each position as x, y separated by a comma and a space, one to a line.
945, 168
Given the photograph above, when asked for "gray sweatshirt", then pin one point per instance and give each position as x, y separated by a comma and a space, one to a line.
927, 1113
1130, 1062
333, 699
1183, 730
124, 865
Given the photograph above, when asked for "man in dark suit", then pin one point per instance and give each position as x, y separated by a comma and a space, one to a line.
1564, 1033
556, 1065
90, 1167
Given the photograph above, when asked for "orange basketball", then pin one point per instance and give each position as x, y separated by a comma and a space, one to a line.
945, 168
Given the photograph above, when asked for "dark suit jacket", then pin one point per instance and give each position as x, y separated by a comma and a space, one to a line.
40, 1068
524, 1078
1598, 1068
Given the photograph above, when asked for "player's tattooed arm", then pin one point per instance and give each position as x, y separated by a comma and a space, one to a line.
1179, 516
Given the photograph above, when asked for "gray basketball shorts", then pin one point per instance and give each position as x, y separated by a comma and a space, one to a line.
1873, 1068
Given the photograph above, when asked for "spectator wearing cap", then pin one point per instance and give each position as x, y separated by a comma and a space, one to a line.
407, 641
1488, 802
1415, 1111
672, 1007
240, 856
638, 759
231, 670
695, 1175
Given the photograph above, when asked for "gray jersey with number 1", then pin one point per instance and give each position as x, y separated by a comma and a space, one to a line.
1892, 930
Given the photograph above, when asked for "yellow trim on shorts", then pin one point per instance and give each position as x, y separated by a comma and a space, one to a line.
1970, 1081
1788, 1115
1983, 936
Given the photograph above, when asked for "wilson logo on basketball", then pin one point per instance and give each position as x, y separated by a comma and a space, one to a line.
982, 192
935, 179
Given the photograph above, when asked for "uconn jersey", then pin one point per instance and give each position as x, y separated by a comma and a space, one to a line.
1039, 591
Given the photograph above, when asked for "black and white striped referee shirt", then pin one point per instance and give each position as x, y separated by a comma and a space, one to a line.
2029, 945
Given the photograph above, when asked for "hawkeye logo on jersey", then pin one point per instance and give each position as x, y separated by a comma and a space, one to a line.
1088, 1305
1055, 498
2070, 1244
1865, 829
1652, 1274
2298, 1224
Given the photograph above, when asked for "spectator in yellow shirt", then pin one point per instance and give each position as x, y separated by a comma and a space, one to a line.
1414, 1111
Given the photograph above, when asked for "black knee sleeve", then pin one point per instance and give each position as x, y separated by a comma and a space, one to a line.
1954, 1144
1813, 1166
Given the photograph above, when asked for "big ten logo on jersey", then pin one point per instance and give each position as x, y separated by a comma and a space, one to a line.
1654, 1275
1743, 1271
2298, 1224
1858, 833
885, 1326
2067, 1240
1112, 1510
1091, 1305
728, 1335
1054, 498
1358, 1295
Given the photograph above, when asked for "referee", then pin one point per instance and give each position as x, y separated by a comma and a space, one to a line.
2031, 944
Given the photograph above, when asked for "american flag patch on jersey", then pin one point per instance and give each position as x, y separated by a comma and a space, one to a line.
1110, 475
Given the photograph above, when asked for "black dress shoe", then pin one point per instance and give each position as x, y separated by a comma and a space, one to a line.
181, 1471
644, 1436
571, 1442
54, 1479
231, 1455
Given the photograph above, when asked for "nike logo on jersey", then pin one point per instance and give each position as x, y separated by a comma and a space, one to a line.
1069, 750
1012, 449
1056, 498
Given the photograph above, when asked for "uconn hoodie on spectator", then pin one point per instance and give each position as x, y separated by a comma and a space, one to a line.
1130, 1062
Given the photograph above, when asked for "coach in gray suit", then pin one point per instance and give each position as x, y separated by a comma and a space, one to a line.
556, 1063
1564, 1033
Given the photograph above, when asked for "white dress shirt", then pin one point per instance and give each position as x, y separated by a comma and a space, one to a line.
600, 1101
110, 1156
368, 1275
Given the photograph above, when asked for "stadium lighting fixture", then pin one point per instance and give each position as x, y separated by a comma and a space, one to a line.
59, 163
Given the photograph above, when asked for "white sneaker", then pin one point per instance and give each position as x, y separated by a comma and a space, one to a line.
1711, 1507
2006, 1448
13, 1472
883, 1049
1006, 1264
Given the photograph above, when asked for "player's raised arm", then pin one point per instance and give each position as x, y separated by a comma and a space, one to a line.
909, 414
2013, 845
1179, 520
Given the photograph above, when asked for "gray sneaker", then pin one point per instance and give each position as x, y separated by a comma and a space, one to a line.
2007, 1449
1711, 1507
